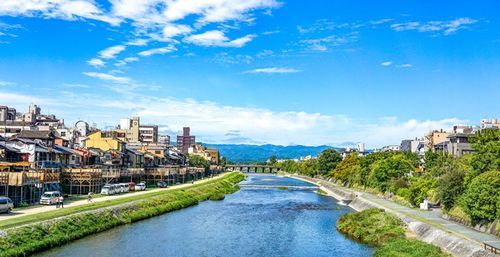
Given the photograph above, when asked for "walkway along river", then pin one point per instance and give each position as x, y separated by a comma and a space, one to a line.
255, 221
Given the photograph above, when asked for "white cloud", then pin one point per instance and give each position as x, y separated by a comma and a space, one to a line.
161, 50
273, 70
406, 65
217, 38
60, 9
443, 27
108, 77
126, 61
212, 121
111, 52
324, 43
97, 63
172, 30
386, 63
6, 83
138, 42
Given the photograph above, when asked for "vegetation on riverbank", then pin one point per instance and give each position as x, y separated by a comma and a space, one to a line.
25, 240
469, 183
386, 232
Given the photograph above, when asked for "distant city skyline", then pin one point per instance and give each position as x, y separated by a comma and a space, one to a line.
257, 71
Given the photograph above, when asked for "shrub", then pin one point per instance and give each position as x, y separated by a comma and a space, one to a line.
481, 200
408, 248
371, 226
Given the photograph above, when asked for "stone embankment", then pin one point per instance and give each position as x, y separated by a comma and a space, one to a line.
451, 243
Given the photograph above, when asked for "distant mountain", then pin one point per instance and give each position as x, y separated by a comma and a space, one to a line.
260, 153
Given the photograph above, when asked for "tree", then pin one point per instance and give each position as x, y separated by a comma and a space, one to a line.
348, 170
486, 145
272, 160
198, 161
223, 161
420, 188
450, 187
385, 170
328, 160
481, 200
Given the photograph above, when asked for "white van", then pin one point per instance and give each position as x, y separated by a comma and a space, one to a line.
108, 190
50, 197
6, 205
124, 187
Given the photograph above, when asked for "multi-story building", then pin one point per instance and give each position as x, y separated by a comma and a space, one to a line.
185, 141
164, 139
457, 144
148, 134
490, 123
435, 137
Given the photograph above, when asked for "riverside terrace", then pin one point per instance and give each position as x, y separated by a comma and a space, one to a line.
253, 168
27, 185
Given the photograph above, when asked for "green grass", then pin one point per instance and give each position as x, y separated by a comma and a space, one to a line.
321, 192
386, 232
25, 240
372, 226
408, 248
14, 222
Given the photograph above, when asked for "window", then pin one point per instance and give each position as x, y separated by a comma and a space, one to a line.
157, 152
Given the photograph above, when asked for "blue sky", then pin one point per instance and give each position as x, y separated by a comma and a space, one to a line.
256, 71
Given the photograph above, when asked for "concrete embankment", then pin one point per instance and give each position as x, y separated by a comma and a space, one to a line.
451, 243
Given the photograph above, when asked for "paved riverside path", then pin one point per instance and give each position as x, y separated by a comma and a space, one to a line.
47, 208
433, 218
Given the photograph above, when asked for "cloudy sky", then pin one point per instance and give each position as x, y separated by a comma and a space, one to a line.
256, 71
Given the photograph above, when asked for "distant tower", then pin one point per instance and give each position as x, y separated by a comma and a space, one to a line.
361, 147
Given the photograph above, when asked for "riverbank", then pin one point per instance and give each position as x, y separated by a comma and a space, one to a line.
36, 237
455, 239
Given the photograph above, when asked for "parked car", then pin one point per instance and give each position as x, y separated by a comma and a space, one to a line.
108, 189
50, 197
140, 187
131, 186
6, 205
161, 184
124, 187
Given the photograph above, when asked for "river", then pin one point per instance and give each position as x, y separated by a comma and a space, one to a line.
255, 221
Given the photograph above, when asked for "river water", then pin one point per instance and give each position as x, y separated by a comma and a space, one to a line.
255, 221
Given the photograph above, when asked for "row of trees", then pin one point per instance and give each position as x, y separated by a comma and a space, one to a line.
470, 183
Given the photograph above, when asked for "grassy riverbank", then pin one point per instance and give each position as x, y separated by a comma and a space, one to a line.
57, 230
386, 232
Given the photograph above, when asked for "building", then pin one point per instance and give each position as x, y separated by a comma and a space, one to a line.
435, 137
148, 134
164, 140
104, 141
457, 144
185, 141
490, 123
389, 148
405, 145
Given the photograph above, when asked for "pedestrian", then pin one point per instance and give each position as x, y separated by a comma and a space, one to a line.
57, 202
61, 201
89, 198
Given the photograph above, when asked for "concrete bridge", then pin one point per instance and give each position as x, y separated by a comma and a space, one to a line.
253, 168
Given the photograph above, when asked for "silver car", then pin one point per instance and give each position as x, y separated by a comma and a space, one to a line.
6, 205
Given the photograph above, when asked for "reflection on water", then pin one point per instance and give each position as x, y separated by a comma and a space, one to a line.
252, 222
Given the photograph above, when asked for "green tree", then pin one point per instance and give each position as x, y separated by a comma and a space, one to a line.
385, 170
486, 145
223, 161
272, 160
450, 187
481, 200
420, 188
348, 170
328, 160
198, 161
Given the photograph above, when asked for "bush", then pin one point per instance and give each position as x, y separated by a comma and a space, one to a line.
481, 200
408, 248
371, 226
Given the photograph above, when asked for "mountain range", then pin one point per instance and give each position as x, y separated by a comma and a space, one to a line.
260, 153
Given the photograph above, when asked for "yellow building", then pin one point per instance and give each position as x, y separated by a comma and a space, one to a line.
100, 141
436, 137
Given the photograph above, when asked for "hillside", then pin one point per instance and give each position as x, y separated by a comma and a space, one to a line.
260, 153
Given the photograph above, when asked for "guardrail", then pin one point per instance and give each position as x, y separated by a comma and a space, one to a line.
491, 248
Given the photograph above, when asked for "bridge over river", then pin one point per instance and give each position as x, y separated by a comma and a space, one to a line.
253, 168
